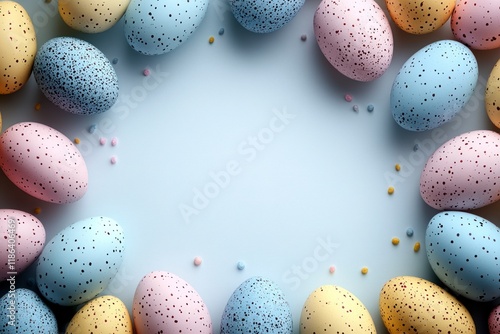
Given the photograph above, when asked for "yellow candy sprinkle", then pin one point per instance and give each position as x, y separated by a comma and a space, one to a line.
211, 39
76, 140
38, 106
364, 270
37, 211
390, 190
416, 247
395, 241
397, 167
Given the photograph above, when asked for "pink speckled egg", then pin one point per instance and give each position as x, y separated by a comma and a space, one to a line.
475, 23
463, 173
355, 37
22, 238
165, 303
43, 162
494, 321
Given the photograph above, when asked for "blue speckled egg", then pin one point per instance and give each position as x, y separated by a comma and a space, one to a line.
23, 312
75, 76
155, 27
264, 16
463, 250
257, 306
79, 262
433, 85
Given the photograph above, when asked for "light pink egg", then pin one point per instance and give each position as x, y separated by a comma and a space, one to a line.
22, 238
476, 23
464, 173
165, 303
355, 37
43, 162
494, 321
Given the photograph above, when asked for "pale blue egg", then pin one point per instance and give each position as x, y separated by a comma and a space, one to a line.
23, 312
257, 306
433, 85
76, 76
463, 249
79, 262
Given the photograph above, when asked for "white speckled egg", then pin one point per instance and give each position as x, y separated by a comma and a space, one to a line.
22, 239
264, 16
165, 303
17, 46
92, 16
463, 250
475, 23
463, 173
23, 312
492, 95
414, 305
331, 309
257, 306
79, 262
420, 16
355, 37
433, 85
155, 27
43, 162
105, 314
494, 320
76, 76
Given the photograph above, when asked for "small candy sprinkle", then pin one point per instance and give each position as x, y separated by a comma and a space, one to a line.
92, 128
113, 160
146, 72
37, 210
355, 108
76, 140
395, 241
331, 269
415, 147
416, 247
114, 61
364, 270
370, 107
240, 265
221, 31
211, 39
390, 190
38, 106
197, 261
114, 141
48, 1
102, 141
397, 167
409, 232
348, 97
303, 38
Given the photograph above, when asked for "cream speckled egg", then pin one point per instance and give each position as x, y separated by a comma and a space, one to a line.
492, 95
105, 314
332, 309
92, 16
17, 46
414, 305
420, 16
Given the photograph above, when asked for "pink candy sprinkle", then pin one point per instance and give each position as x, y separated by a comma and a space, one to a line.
197, 261
332, 269
102, 141
114, 141
113, 160
146, 72
348, 97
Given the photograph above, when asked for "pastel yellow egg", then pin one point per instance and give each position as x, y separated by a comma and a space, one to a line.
332, 309
17, 47
420, 16
492, 95
92, 16
105, 314
412, 304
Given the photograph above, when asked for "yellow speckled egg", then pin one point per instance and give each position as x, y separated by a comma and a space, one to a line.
492, 95
92, 16
17, 46
414, 305
105, 314
420, 16
333, 309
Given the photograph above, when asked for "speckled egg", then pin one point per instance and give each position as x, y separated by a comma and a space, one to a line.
155, 27
433, 85
76, 76
165, 303
23, 312
43, 162
463, 250
22, 239
463, 173
264, 16
355, 37
420, 16
414, 305
105, 314
475, 23
494, 321
331, 309
94, 16
492, 95
79, 262
17, 46
257, 306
